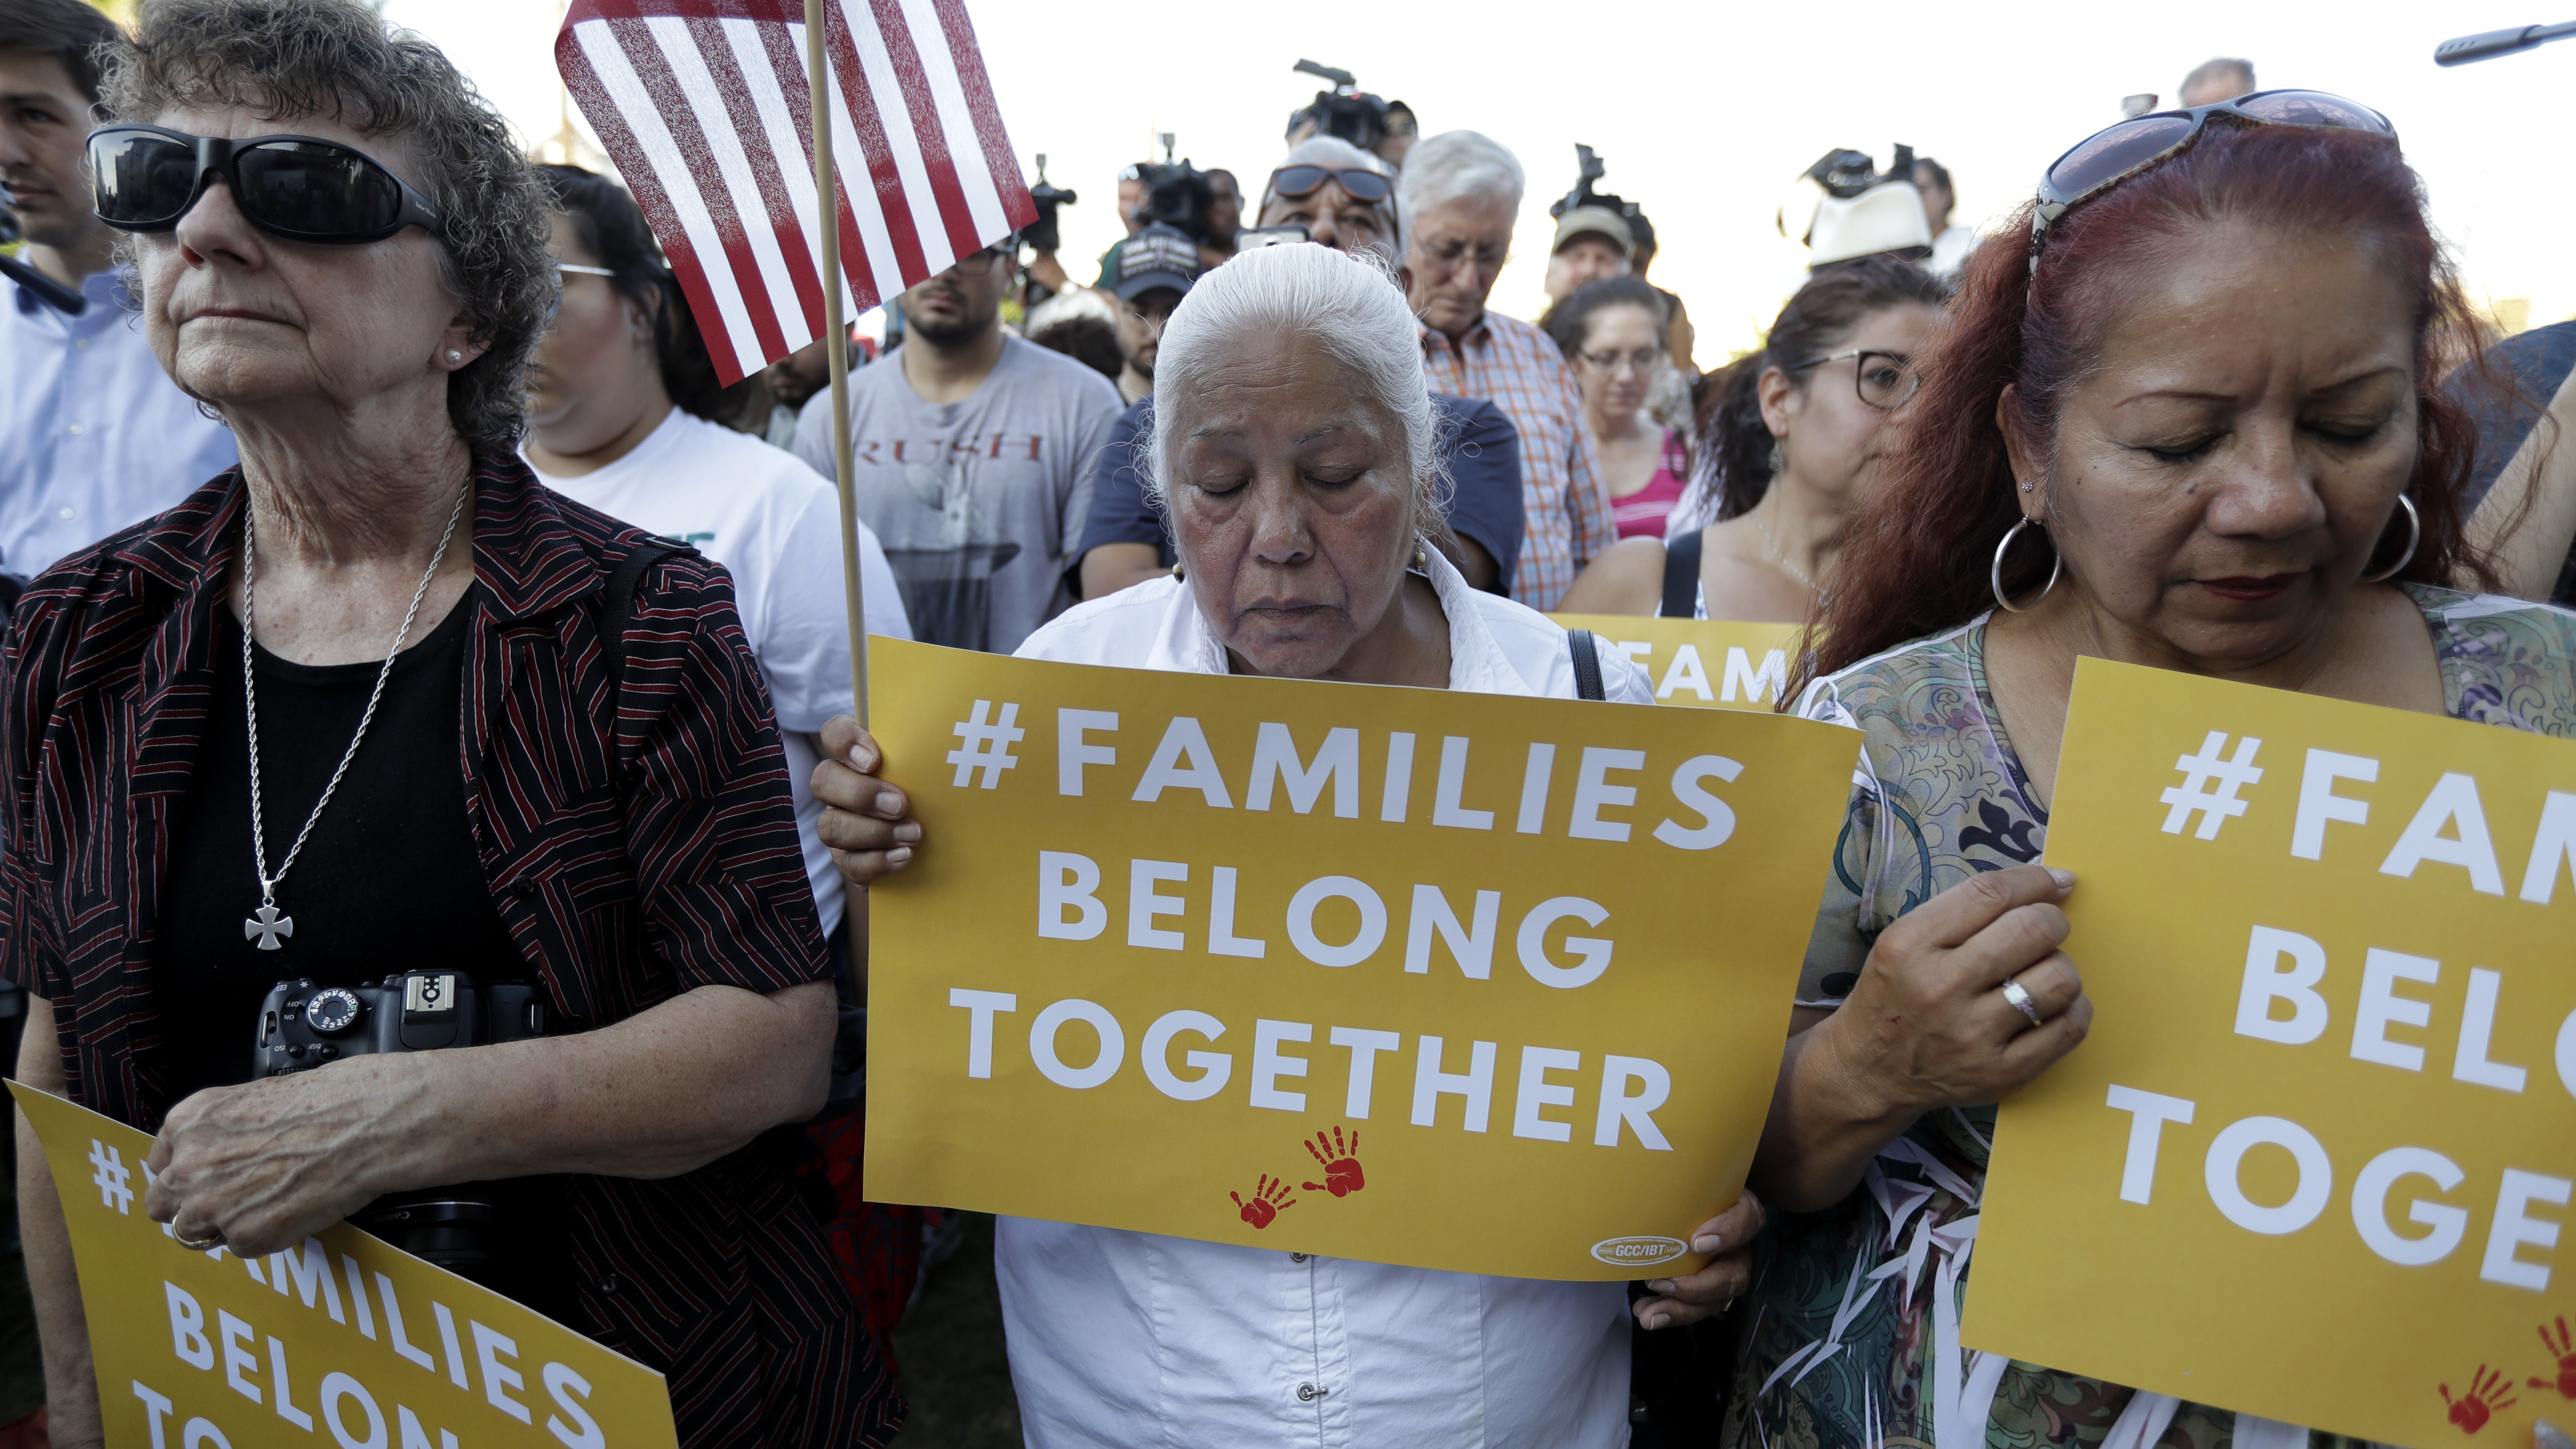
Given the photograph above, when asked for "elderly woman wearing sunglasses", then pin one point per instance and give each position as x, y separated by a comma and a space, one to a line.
376, 703
2191, 417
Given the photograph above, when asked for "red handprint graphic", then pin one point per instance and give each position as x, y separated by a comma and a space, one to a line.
2472, 1410
2562, 1347
1341, 1163
1267, 1200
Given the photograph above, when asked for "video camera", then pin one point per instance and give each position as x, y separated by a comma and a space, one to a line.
1845, 174
1345, 110
1042, 234
1177, 194
1590, 169
302, 1026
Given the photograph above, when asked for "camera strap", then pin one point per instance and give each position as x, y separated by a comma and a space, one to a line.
620, 611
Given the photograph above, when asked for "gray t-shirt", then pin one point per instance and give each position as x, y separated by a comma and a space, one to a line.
979, 503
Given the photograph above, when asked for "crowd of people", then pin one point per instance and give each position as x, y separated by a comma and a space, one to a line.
546, 630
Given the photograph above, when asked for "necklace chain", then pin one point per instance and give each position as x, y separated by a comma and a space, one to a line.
1774, 545
250, 693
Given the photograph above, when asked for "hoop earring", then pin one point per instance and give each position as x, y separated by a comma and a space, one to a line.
2414, 540
1995, 574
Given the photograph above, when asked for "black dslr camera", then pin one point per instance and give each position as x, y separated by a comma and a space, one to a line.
302, 1026
1346, 111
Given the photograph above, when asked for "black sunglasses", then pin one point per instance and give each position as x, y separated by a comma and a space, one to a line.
1297, 181
303, 188
2111, 156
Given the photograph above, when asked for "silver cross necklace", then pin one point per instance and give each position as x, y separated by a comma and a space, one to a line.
266, 926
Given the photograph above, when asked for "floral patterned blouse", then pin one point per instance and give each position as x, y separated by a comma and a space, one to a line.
1851, 1327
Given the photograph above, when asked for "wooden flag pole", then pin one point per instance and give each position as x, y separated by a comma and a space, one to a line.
836, 333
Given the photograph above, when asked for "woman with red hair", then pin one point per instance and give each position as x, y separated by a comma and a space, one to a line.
2196, 422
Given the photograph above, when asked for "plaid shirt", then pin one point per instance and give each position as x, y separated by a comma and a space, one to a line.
1567, 516
637, 842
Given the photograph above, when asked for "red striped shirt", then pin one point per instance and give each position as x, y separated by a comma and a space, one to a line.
636, 847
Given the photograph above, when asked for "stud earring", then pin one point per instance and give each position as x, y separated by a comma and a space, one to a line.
455, 356
2025, 487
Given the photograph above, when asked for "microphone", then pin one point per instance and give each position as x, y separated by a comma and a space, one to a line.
2466, 48
48, 291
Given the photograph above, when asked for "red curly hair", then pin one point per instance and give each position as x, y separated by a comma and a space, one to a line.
1916, 559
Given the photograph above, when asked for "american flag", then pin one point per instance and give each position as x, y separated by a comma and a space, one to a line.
704, 107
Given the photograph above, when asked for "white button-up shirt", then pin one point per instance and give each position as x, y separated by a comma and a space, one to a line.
98, 437
1129, 1340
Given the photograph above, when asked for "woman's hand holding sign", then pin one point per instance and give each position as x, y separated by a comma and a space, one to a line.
1690, 1297
1928, 1025
865, 820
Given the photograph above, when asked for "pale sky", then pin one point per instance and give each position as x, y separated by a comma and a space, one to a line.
1707, 113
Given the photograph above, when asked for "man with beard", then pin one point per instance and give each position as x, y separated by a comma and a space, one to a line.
99, 437
970, 447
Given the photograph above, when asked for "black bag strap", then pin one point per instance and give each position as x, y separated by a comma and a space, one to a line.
620, 610
1681, 576
1587, 664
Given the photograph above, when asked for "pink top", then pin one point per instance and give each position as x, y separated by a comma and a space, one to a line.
1641, 514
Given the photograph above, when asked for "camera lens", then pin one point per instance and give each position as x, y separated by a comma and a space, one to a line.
332, 1012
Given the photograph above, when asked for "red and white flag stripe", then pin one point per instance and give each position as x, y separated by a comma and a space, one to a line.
704, 107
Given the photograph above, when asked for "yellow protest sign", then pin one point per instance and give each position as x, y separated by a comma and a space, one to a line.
2314, 1162
1455, 981
343, 1336
1710, 663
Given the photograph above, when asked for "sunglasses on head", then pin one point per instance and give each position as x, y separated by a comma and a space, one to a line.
1296, 181
2111, 156
303, 188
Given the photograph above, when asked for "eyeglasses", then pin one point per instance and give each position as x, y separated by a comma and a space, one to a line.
1297, 181
2109, 157
303, 188
1643, 359
1884, 380
1451, 255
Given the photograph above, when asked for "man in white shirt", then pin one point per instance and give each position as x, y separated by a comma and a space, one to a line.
98, 437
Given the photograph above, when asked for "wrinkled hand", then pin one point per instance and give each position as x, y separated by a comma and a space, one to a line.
1706, 1293
267, 1163
1927, 1025
864, 820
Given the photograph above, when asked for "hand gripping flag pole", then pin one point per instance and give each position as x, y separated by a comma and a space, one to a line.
696, 102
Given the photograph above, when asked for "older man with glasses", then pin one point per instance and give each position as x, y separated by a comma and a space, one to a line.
969, 451
1460, 194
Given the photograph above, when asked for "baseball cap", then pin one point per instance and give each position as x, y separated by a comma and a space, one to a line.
1598, 220
1158, 256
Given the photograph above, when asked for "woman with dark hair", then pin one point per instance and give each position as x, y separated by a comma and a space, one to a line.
376, 706
1789, 445
2188, 413
622, 409
1612, 332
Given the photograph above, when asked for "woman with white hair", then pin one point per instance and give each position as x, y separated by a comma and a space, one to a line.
1295, 458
